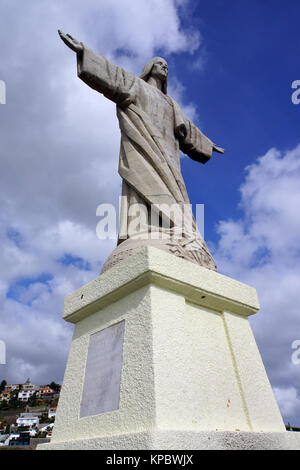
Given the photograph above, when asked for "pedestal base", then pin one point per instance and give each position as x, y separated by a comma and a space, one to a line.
163, 357
185, 440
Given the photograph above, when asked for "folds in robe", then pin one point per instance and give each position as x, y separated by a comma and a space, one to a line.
144, 163
153, 130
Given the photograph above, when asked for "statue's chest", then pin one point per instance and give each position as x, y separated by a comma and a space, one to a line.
160, 111
160, 114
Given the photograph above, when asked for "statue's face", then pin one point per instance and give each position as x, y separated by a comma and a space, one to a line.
160, 69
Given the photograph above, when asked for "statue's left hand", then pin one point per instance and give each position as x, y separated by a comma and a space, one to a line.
71, 42
218, 149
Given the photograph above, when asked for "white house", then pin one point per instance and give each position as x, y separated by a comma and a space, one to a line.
28, 419
23, 395
48, 428
51, 412
11, 387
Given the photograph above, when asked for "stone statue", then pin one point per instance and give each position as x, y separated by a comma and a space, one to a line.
153, 130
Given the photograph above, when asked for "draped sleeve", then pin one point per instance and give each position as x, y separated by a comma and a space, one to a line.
112, 81
192, 141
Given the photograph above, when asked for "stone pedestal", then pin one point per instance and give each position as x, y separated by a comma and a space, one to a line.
163, 357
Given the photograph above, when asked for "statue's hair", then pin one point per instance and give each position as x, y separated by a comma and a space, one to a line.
146, 73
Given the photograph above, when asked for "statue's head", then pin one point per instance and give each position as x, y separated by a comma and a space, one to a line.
156, 67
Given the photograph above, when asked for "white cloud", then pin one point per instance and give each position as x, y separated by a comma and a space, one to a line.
59, 148
288, 400
262, 249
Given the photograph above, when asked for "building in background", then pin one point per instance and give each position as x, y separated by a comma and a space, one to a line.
51, 413
28, 419
45, 392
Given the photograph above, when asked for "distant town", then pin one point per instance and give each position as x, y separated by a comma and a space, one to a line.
27, 413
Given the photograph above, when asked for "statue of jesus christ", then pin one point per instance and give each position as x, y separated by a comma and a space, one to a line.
153, 130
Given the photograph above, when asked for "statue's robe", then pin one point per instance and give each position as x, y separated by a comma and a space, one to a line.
151, 124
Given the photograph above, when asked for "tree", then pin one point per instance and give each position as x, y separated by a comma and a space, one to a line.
32, 400
14, 402
2, 385
54, 386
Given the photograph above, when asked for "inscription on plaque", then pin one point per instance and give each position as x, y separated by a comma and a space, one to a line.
101, 388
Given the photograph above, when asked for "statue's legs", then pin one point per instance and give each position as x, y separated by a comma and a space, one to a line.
141, 225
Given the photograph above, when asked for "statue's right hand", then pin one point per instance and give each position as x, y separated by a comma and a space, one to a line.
71, 42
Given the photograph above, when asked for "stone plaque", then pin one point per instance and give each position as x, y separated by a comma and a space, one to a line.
101, 388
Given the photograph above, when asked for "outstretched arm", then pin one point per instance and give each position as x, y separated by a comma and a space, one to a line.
218, 149
192, 141
181, 132
71, 42
100, 74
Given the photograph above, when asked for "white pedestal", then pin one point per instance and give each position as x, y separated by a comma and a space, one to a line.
180, 370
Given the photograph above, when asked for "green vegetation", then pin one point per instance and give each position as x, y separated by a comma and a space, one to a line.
54, 386
2, 385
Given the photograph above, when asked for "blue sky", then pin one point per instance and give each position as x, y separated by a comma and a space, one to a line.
243, 93
231, 68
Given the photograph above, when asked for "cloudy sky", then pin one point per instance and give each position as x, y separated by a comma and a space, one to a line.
231, 66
